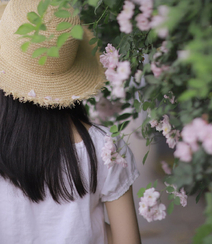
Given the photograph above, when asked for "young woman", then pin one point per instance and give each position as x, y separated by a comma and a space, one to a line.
54, 174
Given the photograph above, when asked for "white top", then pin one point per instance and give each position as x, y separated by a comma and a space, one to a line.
78, 222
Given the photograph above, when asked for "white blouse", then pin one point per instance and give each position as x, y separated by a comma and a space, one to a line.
78, 222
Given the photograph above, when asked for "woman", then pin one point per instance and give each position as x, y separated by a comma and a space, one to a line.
53, 178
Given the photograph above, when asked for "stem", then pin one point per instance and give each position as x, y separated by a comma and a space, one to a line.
99, 18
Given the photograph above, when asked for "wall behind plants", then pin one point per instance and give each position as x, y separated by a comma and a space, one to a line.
169, 43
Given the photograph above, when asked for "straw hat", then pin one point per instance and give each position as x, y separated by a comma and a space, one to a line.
75, 75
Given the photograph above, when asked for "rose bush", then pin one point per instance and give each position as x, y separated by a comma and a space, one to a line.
157, 56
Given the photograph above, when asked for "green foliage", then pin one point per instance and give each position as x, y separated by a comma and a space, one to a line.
145, 158
141, 192
170, 208
25, 29
63, 26
77, 32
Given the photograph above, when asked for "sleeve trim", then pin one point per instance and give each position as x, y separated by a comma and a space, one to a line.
122, 190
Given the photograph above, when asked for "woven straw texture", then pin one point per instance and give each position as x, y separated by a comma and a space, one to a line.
75, 75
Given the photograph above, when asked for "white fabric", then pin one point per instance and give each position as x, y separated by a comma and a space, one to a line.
78, 222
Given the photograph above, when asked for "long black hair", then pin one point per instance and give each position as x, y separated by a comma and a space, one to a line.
37, 149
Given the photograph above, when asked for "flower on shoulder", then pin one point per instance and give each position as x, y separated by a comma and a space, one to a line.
109, 154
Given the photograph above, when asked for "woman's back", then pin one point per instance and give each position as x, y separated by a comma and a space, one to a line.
80, 221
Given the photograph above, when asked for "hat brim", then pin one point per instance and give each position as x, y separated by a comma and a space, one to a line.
83, 80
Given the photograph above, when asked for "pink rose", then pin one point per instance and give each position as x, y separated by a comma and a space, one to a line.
207, 143
142, 22
125, 24
150, 196
183, 197
156, 70
183, 152
118, 92
189, 134
166, 125
110, 48
146, 7
153, 123
123, 70
111, 75
158, 212
172, 138
120, 160
128, 9
166, 168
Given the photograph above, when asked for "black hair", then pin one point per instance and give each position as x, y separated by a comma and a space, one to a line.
37, 149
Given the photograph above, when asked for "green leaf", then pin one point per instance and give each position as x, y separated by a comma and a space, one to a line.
62, 14
94, 50
63, 26
62, 39
196, 83
123, 125
127, 105
149, 185
33, 18
145, 157
207, 240
42, 60
140, 193
38, 38
114, 129
146, 105
39, 52
109, 3
170, 189
124, 116
115, 134
177, 201
201, 233
99, 43
25, 29
171, 196
43, 6
199, 196
76, 12
25, 46
155, 184
170, 208
152, 80
53, 52
137, 105
93, 2
43, 27
77, 32
93, 41
188, 94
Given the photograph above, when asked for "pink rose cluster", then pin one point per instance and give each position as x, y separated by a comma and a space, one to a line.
144, 20
196, 133
109, 154
172, 136
125, 16
117, 72
150, 208
156, 68
159, 20
182, 195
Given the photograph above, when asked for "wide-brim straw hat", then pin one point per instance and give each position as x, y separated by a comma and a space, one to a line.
75, 75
